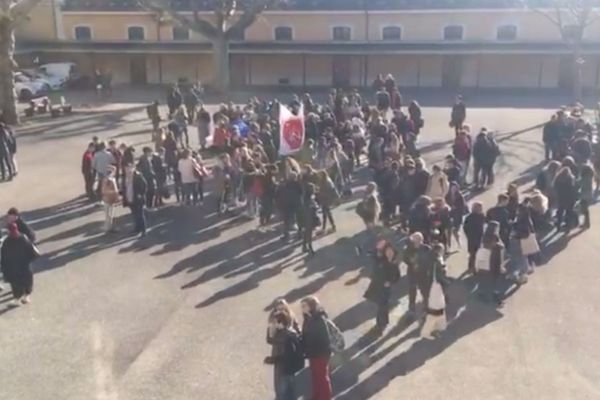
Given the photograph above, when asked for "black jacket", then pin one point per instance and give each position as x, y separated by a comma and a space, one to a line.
473, 228
16, 256
383, 272
289, 343
501, 215
315, 337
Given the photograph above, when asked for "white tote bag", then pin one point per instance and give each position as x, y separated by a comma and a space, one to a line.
482, 259
436, 294
529, 245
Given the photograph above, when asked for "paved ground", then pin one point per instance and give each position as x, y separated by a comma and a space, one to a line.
181, 314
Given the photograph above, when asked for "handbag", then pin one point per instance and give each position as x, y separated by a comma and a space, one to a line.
437, 301
529, 245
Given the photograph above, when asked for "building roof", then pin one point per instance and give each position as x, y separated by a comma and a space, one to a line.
326, 48
308, 5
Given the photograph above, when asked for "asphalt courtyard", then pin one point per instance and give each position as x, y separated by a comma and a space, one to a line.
181, 314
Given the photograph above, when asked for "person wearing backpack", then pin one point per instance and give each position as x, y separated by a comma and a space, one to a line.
288, 358
385, 273
317, 347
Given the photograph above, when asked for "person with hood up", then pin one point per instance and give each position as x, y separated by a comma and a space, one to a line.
16, 255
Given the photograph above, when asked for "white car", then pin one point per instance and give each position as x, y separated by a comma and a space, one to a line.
27, 88
64, 72
53, 82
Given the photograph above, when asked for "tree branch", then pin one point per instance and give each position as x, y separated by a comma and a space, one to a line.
19, 10
248, 17
198, 24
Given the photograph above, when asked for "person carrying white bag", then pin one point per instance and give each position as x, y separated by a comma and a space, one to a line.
435, 319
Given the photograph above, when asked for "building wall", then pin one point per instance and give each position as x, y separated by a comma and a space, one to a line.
268, 70
39, 24
317, 26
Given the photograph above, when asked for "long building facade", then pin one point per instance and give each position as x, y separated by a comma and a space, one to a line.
312, 43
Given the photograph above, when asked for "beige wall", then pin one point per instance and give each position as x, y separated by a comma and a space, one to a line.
268, 70
39, 25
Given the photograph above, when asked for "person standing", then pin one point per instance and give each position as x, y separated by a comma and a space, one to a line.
458, 115
417, 256
101, 161
586, 192
369, 208
327, 196
317, 347
110, 198
435, 319
500, 214
458, 209
462, 149
474, 227
16, 255
203, 122
310, 219
565, 187
438, 185
14, 216
187, 167
145, 168
89, 176
491, 269
385, 273
134, 197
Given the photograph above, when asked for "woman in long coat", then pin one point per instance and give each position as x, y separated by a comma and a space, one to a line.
16, 256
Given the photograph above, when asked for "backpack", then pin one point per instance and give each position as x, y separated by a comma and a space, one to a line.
337, 344
462, 148
296, 356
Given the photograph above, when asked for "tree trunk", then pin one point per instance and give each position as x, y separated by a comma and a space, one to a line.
577, 73
8, 98
221, 63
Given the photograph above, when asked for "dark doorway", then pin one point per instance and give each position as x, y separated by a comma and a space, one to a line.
566, 73
342, 72
239, 71
452, 72
137, 70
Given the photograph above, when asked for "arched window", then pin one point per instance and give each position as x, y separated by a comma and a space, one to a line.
453, 32
83, 33
181, 33
136, 33
284, 33
391, 33
506, 32
342, 33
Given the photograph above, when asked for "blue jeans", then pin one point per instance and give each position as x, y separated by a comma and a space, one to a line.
139, 217
190, 191
285, 386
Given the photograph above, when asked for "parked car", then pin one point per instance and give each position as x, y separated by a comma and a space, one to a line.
65, 72
27, 88
53, 82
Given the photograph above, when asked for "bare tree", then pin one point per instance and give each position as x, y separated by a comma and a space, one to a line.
12, 12
572, 18
230, 19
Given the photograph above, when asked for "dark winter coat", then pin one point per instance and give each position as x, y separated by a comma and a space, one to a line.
289, 197
315, 337
16, 255
383, 272
473, 228
419, 220
501, 215
566, 190
421, 181
459, 114
139, 190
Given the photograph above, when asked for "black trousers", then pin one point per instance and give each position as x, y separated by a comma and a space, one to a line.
327, 216
383, 308
89, 179
307, 239
6, 167
23, 286
585, 211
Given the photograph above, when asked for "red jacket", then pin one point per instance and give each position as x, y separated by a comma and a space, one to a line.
86, 162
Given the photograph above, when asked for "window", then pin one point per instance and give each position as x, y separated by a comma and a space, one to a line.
83, 33
391, 33
136, 33
453, 32
572, 32
342, 33
506, 32
181, 33
283, 33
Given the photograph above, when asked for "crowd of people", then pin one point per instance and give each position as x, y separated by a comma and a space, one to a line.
425, 206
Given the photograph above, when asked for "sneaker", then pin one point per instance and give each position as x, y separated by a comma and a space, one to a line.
26, 299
